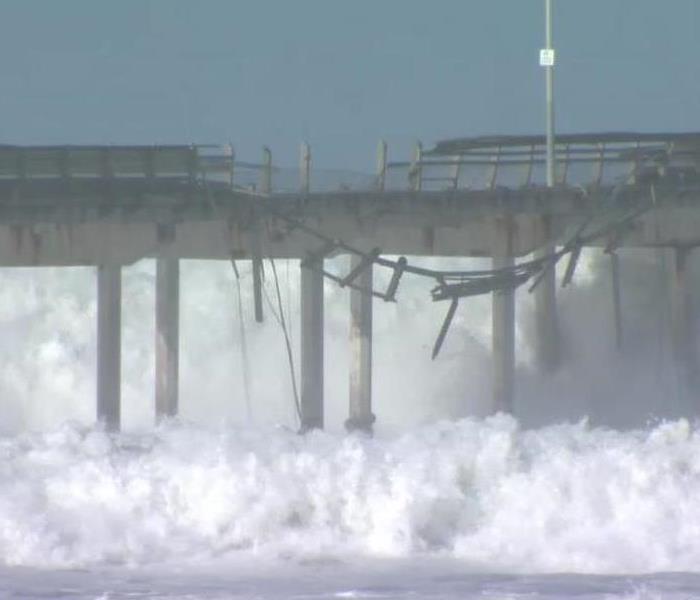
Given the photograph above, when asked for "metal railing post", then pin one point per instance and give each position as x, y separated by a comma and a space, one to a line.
381, 165
415, 173
305, 168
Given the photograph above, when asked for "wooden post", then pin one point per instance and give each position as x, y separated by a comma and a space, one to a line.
493, 172
167, 336
682, 321
230, 154
360, 409
415, 173
598, 166
456, 170
305, 167
547, 340
563, 166
109, 346
266, 172
381, 165
635, 166
312, 346
503, 324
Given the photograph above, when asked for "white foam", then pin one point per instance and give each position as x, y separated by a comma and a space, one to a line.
565, 498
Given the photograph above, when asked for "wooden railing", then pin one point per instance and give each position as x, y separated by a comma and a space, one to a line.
580, 159
119, 162
471, 163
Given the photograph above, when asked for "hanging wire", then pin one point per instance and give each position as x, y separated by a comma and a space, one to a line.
278, 313
290, 311
471, 282
245, 360
287, 339
454, 285
244, 355
450, 285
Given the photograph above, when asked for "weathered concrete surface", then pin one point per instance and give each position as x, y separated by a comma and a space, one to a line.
88, 228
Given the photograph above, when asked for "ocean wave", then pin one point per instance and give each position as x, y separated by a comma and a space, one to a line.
565, 498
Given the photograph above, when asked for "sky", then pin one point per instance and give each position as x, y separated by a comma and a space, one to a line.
339, 74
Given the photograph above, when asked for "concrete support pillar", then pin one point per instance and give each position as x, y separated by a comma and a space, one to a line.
109, 290
256, 229
616, 299
547, 339
312, 346
167, 336
503, 327
360, 409
682, 320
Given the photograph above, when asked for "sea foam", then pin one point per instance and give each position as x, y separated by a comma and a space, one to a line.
566, 498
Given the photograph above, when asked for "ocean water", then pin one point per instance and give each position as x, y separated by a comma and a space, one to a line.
224, 503
466, 509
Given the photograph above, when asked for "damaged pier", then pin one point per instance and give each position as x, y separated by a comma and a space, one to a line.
109, 206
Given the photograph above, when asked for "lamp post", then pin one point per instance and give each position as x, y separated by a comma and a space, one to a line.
546, 320
547, 58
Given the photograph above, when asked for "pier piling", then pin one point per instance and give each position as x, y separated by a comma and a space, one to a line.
109, 289
547, 342
360, 409
167, 336
311, 322
503, 325
683, 334
312, 346
616, 299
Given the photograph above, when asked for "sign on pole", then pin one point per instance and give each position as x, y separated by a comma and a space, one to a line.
547, 57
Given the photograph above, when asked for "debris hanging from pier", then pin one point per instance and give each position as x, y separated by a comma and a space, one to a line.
456, 285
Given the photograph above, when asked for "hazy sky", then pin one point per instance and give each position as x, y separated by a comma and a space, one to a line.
341, 74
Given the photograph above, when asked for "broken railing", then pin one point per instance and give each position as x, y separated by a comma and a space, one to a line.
485, 162
489, 162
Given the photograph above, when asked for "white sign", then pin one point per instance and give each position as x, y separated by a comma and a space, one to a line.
547, 57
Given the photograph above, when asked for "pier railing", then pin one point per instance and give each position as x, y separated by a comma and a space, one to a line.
580, 159
585, 160
466, 163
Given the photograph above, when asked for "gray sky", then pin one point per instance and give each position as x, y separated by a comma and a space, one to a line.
341, 74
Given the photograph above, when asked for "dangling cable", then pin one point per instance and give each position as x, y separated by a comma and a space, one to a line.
283, 324
289, 301
245, 361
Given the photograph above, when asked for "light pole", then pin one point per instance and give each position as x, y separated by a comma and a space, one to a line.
547, 59
546, 320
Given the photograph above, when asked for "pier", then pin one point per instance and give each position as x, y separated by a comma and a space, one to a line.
110, 206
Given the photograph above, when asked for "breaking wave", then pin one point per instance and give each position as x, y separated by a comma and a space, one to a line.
566, 498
